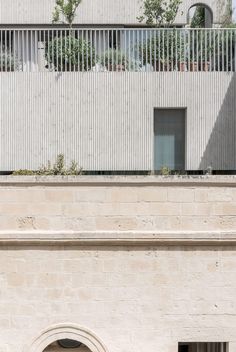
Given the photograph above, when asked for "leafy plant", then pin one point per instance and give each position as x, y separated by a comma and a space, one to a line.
69, 53
227, 38
226, 19
158, 12
65, 11
165, 171
24, 172
57, 169
226, 52
7, 61
199, 17
164, 49
114, 59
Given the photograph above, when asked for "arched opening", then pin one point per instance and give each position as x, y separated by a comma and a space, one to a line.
67, 338
200, 16
67, 345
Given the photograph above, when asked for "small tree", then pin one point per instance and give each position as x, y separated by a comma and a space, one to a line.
65, 11
159, 13
227, 17
69, 52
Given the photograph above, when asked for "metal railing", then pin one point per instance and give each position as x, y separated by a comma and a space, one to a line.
100, 50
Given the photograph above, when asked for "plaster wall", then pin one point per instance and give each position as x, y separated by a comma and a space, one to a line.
94, 12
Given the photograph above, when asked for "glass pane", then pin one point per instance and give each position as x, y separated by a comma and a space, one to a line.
169, 144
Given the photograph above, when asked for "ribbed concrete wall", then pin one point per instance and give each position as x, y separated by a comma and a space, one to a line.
91, 11
104, 121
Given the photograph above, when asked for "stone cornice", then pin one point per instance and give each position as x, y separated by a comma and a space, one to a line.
124, 181
122, 238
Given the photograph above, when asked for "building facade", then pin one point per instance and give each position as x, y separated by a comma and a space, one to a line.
112, 263
121, 263
102, 12
102, 102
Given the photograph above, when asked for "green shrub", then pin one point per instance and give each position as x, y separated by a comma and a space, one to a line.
114, 59
165, 171
57, 169
7, 61
200, 45
164, 47
23, 172
69, 53
168, 48
227, 49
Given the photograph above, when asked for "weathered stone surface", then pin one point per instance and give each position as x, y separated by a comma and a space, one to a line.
112, 204
134, 297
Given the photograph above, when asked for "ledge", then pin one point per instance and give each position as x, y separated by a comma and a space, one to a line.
93, 181
122, 238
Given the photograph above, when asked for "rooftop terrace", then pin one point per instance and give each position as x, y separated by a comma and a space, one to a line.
120, 50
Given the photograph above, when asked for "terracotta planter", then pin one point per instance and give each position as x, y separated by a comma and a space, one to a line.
162, 66
116, 68
205, 66
193, 66
182, 66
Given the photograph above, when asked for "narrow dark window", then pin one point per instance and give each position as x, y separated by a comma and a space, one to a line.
203, 347
183, 348
169, 139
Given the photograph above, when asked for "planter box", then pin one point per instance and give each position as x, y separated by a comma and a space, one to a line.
162, 66
116, 68
182, 66
205, 66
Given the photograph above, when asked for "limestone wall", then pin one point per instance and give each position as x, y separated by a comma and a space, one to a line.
129, 203
143, 263
144, 299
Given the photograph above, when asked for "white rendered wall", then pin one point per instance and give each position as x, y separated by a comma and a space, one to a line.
104, 121
96, 12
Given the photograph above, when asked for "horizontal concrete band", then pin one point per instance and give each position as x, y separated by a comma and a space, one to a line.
117, 238
124, 181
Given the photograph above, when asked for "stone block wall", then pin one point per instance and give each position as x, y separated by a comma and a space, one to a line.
64, 259
118, 204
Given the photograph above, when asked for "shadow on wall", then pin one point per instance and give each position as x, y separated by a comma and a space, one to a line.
220, 152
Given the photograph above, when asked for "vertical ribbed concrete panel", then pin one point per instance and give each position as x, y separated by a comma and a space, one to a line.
94, 12
104, 121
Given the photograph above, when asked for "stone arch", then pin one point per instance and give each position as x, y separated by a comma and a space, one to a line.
67, 331
206, 6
